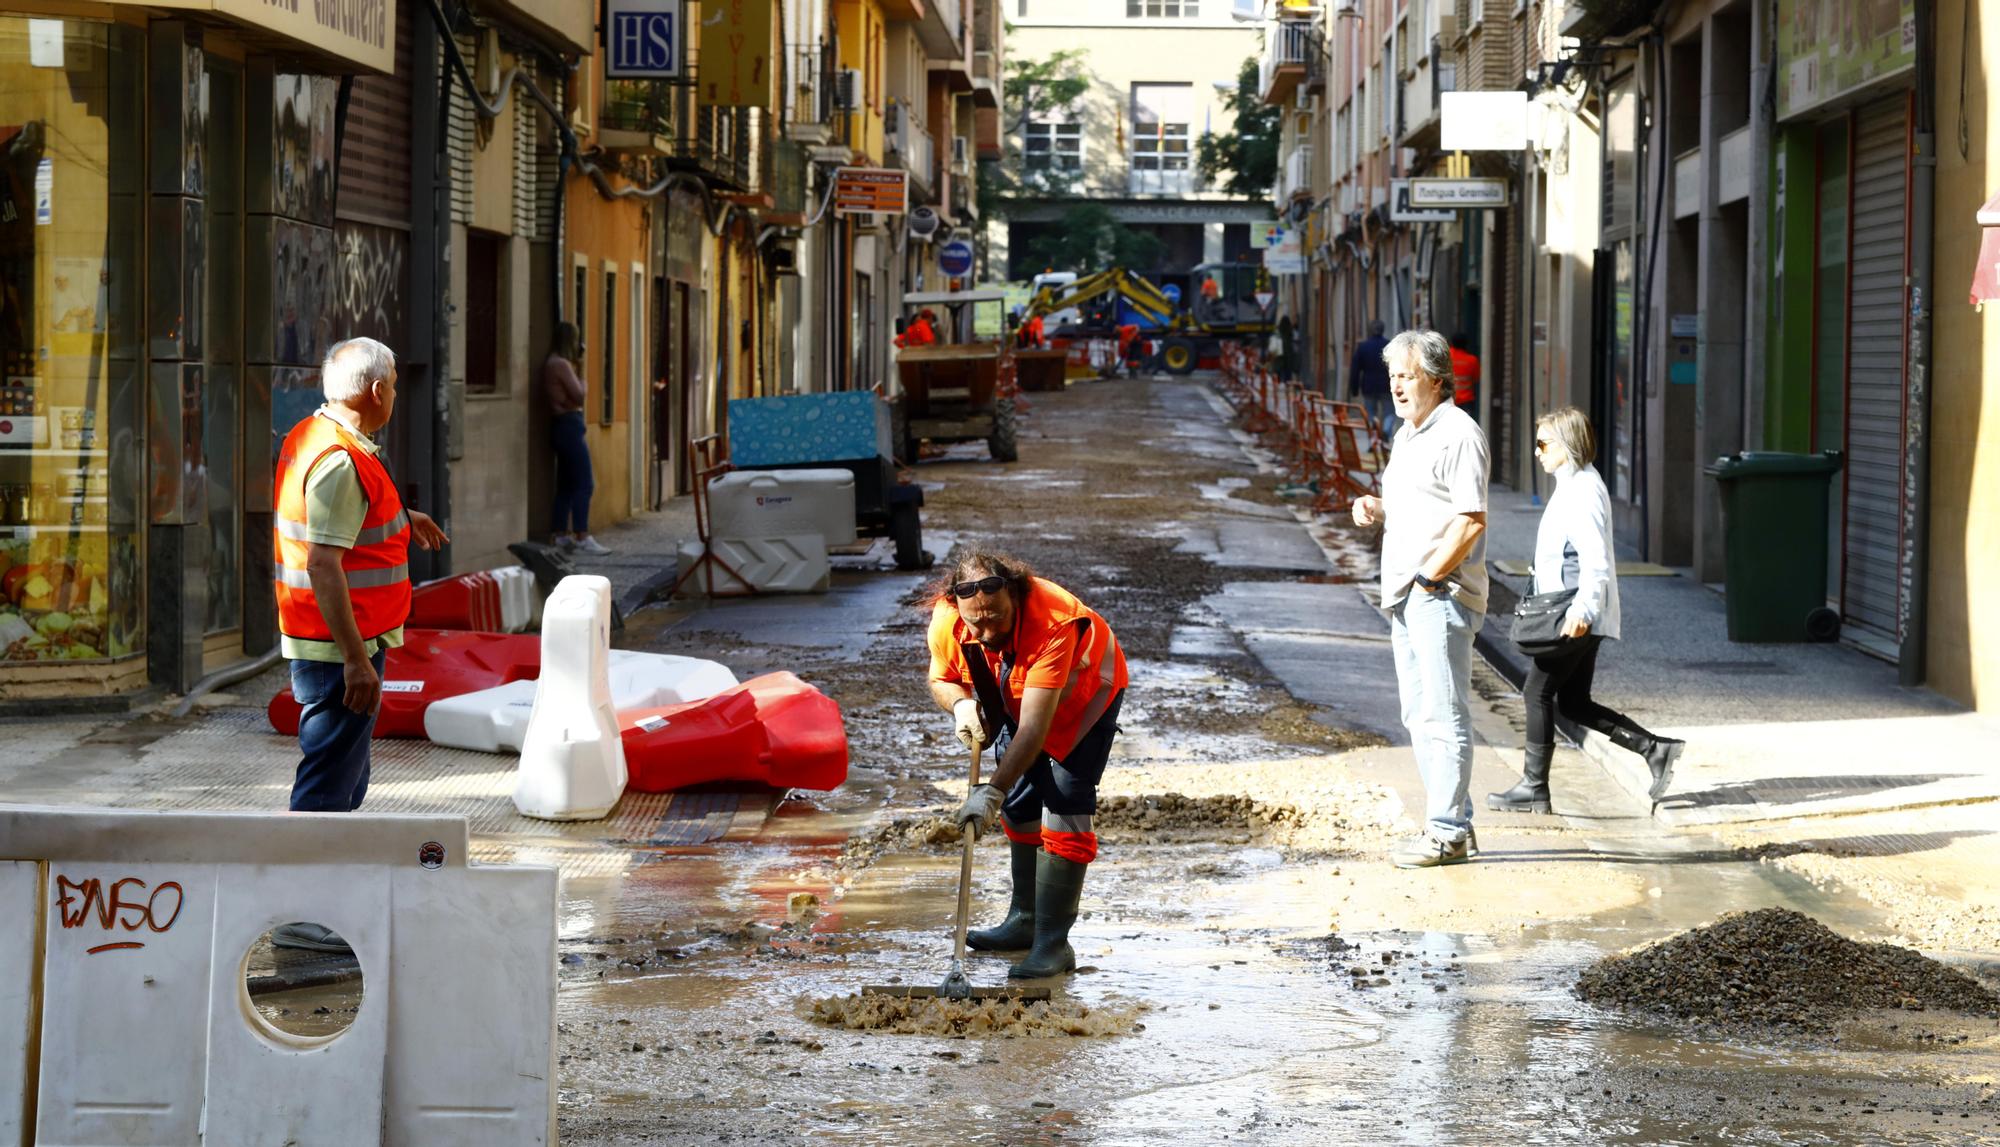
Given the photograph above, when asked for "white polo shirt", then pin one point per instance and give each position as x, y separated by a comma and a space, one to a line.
1436, 472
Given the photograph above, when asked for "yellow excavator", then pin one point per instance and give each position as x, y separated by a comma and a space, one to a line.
1230, 303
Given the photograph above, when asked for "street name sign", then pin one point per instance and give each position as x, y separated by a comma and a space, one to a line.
883, 190
1458, 193
1400, 210
643, 40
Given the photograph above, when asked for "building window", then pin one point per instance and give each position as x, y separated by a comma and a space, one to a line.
1161, 115
580, 316
1052, 147
482, 312
73, 447
1162, 9
610, 396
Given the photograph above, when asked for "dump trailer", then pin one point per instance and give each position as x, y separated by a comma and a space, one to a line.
951, 388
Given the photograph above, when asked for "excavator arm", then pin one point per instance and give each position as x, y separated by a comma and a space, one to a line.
1137, 291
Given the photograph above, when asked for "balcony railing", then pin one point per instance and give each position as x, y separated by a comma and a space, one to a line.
812, 117
1290, 52
1295, 174
911, 143
1151, 181
986, 82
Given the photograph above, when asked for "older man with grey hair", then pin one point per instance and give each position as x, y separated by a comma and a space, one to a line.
1433, 512
342, 537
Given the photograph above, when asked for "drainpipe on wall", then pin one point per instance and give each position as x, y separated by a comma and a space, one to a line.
1763, 110
1916, 423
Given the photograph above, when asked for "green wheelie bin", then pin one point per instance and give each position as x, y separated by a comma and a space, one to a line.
1774, 523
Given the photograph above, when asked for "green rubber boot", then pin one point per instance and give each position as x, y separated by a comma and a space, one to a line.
1017, 931
1058, 888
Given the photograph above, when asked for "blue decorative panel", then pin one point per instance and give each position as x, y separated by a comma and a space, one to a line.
785, 430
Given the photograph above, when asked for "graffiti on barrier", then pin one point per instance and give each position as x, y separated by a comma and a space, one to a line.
79, 902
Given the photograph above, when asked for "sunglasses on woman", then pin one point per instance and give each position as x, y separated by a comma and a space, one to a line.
992, 584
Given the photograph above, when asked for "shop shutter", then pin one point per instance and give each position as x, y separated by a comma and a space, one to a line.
1876, 355
375, 152
458, 139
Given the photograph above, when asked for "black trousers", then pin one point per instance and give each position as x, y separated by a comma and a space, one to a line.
1560, 682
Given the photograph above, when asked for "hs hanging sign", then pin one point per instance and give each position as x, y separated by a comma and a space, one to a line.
643, 40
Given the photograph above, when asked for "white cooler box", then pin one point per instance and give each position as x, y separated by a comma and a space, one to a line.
783, 503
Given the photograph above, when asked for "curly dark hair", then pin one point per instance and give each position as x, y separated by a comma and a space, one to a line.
975, 564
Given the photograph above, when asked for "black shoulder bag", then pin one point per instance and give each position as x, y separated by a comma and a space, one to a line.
1538, 618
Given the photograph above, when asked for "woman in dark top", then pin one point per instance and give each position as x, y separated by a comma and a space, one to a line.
569, 526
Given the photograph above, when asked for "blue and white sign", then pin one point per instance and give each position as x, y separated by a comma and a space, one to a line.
955, 259
643, 40
1172, 293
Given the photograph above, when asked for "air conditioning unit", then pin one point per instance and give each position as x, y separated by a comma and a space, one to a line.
1347, 7
961, 154
847, 90
1448, 28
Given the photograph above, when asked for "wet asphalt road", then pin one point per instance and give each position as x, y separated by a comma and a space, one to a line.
1282, 983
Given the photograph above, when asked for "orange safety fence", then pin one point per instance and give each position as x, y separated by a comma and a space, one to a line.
1334, 448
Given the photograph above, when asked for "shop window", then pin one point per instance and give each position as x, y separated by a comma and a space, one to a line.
221, 413
71, 466
482, 312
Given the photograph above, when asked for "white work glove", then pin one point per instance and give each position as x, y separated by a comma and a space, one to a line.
966, 725
980, 806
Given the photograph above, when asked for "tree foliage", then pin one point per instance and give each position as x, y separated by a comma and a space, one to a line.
1243, 160
1089, 238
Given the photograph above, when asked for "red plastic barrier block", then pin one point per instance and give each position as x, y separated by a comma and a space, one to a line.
774, 730
464, 601
430, 665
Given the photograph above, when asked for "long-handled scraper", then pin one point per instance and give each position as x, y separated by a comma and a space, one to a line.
956, 986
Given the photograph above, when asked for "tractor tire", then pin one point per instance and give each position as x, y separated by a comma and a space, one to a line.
1178, 356
906, 529
899, 434
1001, 444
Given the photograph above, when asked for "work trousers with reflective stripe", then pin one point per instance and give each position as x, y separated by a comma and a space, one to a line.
1054, 800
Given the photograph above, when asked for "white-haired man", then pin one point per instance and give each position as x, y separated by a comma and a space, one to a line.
342, 538
1433, 510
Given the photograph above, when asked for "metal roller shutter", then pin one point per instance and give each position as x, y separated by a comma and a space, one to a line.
1878, 306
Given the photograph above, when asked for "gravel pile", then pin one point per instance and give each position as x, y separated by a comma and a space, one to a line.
1175, 812
1777, 968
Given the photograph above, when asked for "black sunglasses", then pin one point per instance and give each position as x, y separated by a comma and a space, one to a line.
993, 584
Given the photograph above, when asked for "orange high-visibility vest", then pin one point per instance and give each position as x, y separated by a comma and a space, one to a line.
1096, 670
378, 565
1465, 376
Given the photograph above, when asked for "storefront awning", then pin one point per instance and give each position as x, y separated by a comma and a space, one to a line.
336, 36
1986, 272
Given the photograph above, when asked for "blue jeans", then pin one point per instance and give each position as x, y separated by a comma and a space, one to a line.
1382, 408
1432, 636
574, 483
333, 739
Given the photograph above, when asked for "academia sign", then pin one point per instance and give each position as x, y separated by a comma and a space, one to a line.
643, 40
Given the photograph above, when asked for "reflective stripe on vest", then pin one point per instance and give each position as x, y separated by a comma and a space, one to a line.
377, 564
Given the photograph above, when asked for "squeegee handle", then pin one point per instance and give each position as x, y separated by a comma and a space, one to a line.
965, 870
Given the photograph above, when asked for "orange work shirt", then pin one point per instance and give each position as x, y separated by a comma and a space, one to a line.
1465, 376
1059, 643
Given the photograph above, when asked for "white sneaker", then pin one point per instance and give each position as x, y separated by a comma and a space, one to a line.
589, 545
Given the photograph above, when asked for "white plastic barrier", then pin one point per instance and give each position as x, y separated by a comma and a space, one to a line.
783, 503
496, 720
520, 599
794, 564
140, 926
572, 759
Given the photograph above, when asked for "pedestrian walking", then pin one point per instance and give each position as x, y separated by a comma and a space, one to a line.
1368, 380
1574, 551
1465, 374
1433, 512
569, 523
1054, 666
1288, 361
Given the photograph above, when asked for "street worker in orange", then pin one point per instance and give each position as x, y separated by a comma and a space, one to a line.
1031, 336
1464, 374
342, 540
921, 331
1128, 333
1053, 679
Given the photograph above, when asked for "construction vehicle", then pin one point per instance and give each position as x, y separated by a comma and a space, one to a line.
1187, 326
951, 388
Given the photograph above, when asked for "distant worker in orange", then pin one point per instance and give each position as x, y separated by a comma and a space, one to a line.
919, 332
1464, 374
1128, 334
1030, 336
1059, 677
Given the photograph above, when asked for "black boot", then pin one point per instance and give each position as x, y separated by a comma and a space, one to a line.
1058, 888
1017, 931
1532, 794
1660, 754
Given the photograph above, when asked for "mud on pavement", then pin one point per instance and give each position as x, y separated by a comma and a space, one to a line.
1263, 975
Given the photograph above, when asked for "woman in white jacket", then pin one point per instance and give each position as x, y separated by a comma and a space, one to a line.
1573, 550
